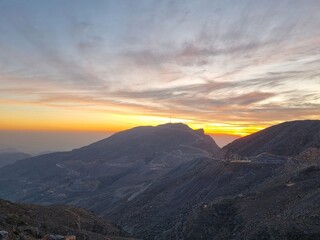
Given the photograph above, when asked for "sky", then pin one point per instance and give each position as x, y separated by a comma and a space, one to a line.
97, 67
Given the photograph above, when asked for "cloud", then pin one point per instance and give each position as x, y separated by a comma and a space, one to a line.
208, 61
250, 98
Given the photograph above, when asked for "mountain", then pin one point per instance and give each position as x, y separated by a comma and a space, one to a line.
171, 182
285, 139
9, 156
23, 221
212, 198
108, 172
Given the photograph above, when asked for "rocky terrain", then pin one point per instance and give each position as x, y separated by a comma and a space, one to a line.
172, 182
166, 204
25, 221
284, 207
208, 199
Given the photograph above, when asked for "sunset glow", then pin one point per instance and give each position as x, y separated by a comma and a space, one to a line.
230, 67
65, 119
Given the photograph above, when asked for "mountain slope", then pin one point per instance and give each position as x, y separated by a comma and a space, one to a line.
211, 199
173, 197
24, 221
285, 139
285, 208
103, 174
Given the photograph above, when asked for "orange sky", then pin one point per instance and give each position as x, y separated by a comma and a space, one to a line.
232, 69
39, 118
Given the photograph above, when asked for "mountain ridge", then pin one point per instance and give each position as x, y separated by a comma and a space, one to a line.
284, 139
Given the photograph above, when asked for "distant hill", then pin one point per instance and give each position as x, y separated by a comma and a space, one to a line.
285, 139
11, 156
30, 222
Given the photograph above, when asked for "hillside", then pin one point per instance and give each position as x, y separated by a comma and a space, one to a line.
285, 139
31, 222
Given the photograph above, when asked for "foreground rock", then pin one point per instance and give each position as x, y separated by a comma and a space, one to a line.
4, 235
22, 221
59, 237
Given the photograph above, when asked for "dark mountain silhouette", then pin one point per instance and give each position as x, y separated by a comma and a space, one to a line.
25, 221
285, 139
105, 173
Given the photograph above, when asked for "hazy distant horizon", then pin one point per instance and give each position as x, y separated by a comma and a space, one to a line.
37, 142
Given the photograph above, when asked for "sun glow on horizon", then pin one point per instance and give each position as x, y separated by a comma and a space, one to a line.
92, 121
105, 67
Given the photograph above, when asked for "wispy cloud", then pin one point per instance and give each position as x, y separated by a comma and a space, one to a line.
238, 62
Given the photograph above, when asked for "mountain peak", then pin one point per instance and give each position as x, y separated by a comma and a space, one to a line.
181, 126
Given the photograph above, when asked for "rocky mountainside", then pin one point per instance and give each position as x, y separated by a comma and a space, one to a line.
212, 199
106, 173
285, 139
23, 221
287, 207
